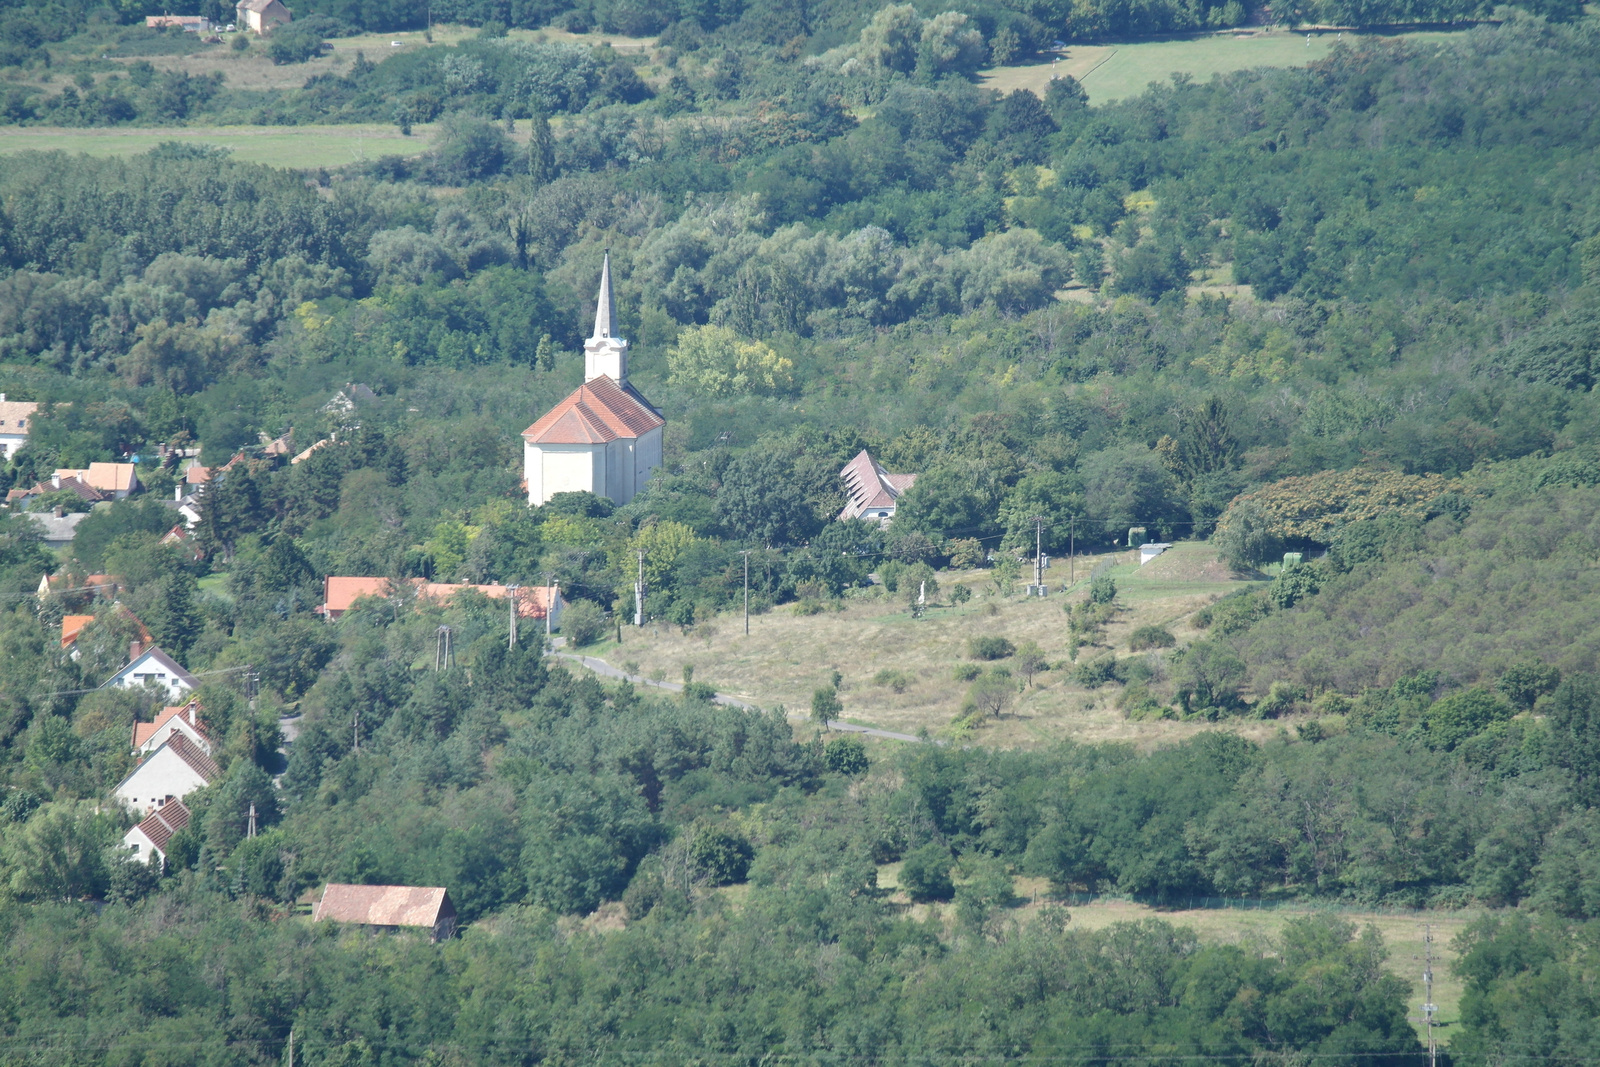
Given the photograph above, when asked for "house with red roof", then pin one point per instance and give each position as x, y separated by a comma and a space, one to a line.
182, 718
388, 907
871, 492
155, 830
604, 438
174, 770
339, 595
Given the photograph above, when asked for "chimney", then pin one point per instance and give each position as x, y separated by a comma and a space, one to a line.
135, 650
58, 511
177, 492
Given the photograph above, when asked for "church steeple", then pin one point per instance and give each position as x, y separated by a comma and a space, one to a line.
605, 353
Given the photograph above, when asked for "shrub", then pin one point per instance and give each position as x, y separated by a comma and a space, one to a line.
966, 672
925, 873
582, 623
1525, 683
825, 705
1030, 661
847, 756
699, 691
1102, 589
1092, 674
1295, 583
1151, 637
960, 594
240, 42
719, 855
990, 648
965, 552
892, 679
992, 694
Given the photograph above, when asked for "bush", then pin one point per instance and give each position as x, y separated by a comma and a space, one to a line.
1151, 637
1092, 674
293, 46
582, 623
1102, 589
847, 756
719, 855
925, 874
966, 672
892, 679
240, 42
825, 705
960, 594
990, 648
1525, 683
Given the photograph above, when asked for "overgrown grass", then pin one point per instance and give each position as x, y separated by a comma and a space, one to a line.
290, 147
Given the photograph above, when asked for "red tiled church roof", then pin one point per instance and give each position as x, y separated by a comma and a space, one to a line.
597, 411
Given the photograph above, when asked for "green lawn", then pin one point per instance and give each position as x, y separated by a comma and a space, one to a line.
293, 147
1114, 71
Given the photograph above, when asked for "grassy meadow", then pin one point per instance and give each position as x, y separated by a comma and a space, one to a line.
293, 147
788, 655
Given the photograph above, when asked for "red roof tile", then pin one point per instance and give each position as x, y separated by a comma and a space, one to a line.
340, 594
599, 410
191, 753
163, 822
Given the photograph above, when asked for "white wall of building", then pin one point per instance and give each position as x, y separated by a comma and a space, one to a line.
146, 668
163, 774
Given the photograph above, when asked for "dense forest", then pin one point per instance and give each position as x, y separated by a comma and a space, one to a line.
1350, 311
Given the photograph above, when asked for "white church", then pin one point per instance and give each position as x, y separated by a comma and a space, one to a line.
604, 438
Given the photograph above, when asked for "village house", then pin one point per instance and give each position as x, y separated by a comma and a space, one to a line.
872, 492
88, 588
533, 601
72, 627
58, 527
605, 438
171, 772
152, 834
260, 16
71, 484
114, 481
151, 665
14, 418
389, 907
181, 719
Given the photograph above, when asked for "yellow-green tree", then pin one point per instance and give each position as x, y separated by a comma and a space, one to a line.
715, 361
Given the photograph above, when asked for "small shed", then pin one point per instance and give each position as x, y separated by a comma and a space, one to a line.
389, 907
1150, 550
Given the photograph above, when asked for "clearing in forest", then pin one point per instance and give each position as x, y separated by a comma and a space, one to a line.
900, 673
1116, 71
292, 147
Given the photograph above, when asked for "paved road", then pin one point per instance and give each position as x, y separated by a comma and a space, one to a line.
606, 670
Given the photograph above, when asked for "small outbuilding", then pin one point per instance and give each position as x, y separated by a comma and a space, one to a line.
261, 16
389, 907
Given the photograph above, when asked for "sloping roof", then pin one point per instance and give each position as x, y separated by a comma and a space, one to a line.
144, 731
112, 477
58, 527
384, 905
869, 486
197, 475
72, 626
340, 594
166, 661
257, 6
193, 755
14, 415
597, 411
163, 822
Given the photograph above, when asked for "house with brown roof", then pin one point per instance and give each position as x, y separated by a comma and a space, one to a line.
339, 595
389, 907
156, 830
14, 418
604, 438
114, 481
871, 492
174, 770
260, 16
180, 719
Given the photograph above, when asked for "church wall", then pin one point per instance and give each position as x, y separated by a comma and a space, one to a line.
552, 469
646, 458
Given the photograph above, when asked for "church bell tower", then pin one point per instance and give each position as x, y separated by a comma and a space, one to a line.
604, 353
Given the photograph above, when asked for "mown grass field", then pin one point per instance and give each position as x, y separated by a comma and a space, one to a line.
787, 655
1114, 71
294, 147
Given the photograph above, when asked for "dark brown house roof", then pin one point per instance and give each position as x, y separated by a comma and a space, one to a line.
163, 822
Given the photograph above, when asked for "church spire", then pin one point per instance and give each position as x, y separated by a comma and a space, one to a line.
605, 316
605, 354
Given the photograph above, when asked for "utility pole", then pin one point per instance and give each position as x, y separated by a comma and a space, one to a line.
1429, 1007
291, 1047
638, 594
251, 832
355, 733
1037, 588
444, 655
1072, 551
746, 555
511, 621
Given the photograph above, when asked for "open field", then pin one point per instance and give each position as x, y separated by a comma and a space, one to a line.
787, 656
1114, 71
279, 146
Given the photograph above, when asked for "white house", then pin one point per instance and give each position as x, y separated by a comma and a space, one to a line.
182, 719
260, 16
170, 773
870, 491
152, 665
14, 418
58, 530
157, 828
605, 438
